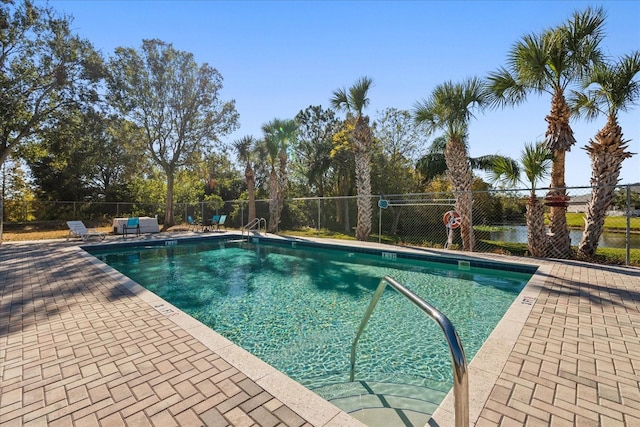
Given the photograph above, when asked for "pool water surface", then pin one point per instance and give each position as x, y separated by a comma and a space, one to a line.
298, 309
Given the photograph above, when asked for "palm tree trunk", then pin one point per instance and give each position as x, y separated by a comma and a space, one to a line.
250, 179
536, 236
363, 186
342, 205
169, 219
459, 173
273, 202
346, 217
362, 143
607, 153
559, 138
1, 213
559, 240
282, 182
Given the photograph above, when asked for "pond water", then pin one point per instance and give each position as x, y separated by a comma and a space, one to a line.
518, 234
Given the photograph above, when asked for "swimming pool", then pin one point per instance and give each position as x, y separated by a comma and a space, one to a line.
298, 308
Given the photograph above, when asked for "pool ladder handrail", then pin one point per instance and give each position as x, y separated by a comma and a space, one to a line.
458, 358
252, 225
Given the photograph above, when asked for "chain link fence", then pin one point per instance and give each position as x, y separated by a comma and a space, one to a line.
498, 216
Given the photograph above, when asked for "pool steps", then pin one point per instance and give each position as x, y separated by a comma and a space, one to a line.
464, 265
253, 226
458, 358
379, 404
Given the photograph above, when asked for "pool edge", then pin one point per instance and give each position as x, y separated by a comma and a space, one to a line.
487, 364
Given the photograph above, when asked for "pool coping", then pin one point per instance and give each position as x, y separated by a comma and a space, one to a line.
483, 370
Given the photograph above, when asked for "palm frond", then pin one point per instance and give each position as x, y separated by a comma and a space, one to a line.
610, 88
486, 163
431, 166
504, 89
451, 106
271, 141
358, 94
438, 145
582, 36
288, 128
627, 84
536, 162
340, 100
503, 170
530, 60
424, 115
244, 146
584, 104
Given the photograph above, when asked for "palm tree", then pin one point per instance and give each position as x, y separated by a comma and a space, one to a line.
279, 135
344, 176
549, 63
449, 108
536, 162
433, 164
354, 101
610, 88
270, 149
245, 148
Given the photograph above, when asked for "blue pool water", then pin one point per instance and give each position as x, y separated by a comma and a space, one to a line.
299, 308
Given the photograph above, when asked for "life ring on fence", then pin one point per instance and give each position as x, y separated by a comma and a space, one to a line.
452, 219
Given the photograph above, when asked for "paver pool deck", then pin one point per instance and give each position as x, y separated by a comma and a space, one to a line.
82, 345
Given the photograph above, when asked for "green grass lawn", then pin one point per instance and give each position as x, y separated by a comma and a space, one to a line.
613, 256
576, 220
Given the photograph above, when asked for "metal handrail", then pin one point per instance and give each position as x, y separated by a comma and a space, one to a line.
460, 379
252, 225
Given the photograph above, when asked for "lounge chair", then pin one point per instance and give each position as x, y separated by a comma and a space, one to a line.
192, 223
212, 223
78, 229
132, 224
221, 221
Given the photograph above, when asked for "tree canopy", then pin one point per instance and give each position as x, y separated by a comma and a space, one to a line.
44, 68
175, 101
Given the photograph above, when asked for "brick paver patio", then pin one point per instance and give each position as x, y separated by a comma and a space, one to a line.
577, 359
78, 346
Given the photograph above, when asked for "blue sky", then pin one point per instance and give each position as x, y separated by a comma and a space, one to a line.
280, 57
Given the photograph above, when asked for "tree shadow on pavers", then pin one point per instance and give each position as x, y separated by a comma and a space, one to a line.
41, 282
625, 294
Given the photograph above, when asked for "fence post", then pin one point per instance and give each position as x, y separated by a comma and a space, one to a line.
627, 240
473, 247
74, 209
241, 215
318, 216
380, 221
